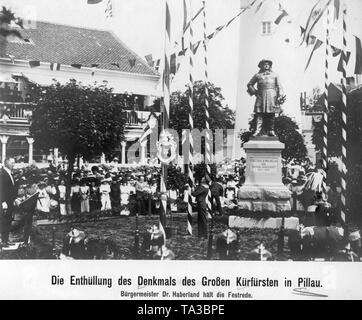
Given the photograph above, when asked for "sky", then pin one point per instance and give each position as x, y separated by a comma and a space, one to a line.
140, 25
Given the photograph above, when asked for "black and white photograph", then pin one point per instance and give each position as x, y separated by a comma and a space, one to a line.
222, 135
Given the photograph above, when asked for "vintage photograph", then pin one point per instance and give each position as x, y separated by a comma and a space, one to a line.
181, 130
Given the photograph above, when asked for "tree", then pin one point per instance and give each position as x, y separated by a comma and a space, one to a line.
287, 132
7, 22
80, 120
221, 117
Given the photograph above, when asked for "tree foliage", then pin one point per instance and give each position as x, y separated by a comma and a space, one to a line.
7, 21
287, 132
80, 120
221, 117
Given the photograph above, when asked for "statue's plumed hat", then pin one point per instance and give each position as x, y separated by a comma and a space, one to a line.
265, 61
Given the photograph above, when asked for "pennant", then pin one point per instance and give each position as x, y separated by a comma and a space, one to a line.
316, 46
340, 63
283, 14
302, 31
94, 1
358, 66
76, 65
157, 66
115, 64
185, 16
259, 6
314, 16
12, 58
94, 67
311, 40
195, 46
335, 51
149, 60
132, 62
173, 63
55, 66
34, 63
337, 5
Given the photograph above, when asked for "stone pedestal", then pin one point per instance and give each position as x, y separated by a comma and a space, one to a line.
263, 190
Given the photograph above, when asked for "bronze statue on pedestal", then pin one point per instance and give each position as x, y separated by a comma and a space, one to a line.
269, 98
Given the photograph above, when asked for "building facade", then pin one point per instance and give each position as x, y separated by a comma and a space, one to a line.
49, 52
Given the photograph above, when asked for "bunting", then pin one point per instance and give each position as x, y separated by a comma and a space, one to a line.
281, 16
316, 47
109, 10
34, 63
54, 66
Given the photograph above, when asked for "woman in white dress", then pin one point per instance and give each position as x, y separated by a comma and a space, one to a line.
62, 191
105, 190
84, 197
125, 194
43, 203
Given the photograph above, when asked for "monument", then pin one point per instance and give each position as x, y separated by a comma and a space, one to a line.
264, 190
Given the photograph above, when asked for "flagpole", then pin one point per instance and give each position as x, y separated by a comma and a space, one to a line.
191, 148
344, 118
165, 114
326, 105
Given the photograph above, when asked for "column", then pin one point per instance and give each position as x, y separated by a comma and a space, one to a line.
143, 152
31, 149
4, 141
123, 150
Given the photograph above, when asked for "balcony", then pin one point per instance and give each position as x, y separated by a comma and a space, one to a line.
15, 112
137, 118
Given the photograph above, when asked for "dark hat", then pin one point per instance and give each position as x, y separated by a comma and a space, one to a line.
265, 61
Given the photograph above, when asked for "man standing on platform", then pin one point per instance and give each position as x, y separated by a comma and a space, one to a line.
269, 97
8, 193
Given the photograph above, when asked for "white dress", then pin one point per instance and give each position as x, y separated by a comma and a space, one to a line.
105, 190
43, 203
62, 205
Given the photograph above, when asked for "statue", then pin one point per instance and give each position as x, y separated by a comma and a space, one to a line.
269, 98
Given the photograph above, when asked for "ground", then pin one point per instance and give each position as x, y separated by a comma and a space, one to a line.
121, 230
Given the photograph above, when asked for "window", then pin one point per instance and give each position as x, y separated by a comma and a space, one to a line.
266, 27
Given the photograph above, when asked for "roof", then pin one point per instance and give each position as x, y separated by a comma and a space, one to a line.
64, 44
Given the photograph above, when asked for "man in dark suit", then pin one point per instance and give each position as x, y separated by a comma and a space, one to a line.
216, 192
8, 193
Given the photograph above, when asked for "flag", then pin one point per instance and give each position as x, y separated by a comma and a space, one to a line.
94, 67
109, 9
316, 46
195, 46
311, 40
358, 66
173, 63
315, 15
302, 31
157, 66
55, 66
340, 63
194, 17
132, 62
282, 15
34, 63
76, 65
94, 1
